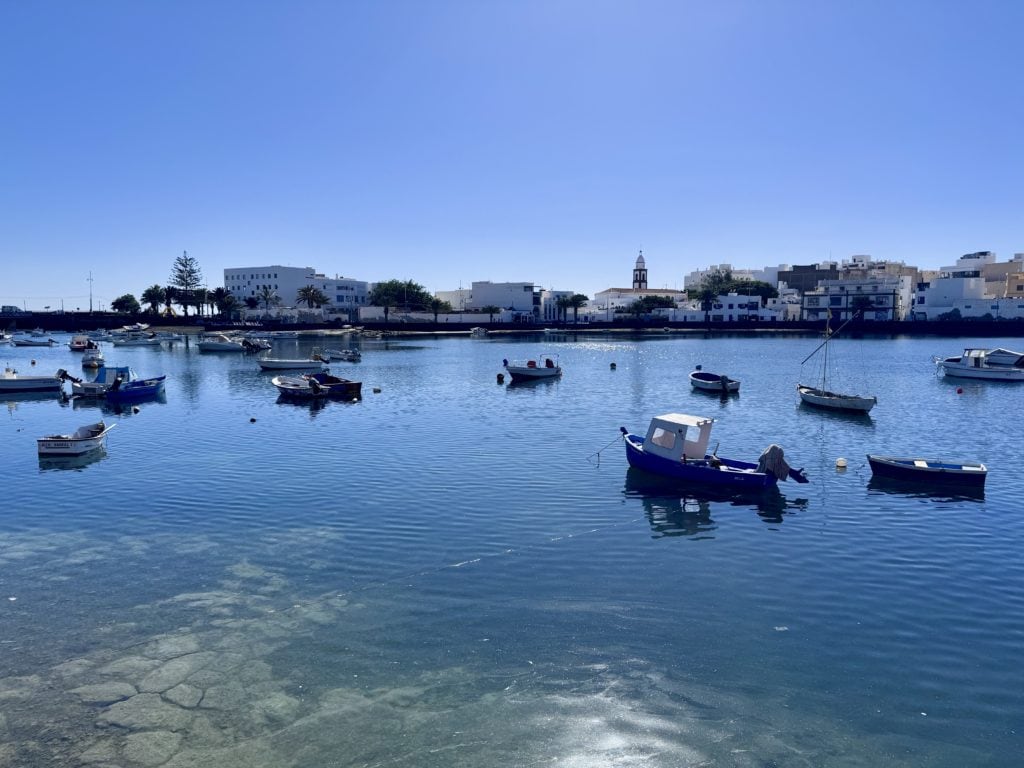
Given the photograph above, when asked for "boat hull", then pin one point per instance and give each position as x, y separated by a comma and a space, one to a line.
74, 445
929, 471
278, 364
833, 401
30, 384
525, 373
712, 382
135, 390
988, 373
729, 472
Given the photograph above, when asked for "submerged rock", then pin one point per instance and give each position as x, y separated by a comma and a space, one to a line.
184, 695
105, 693
151, 748
146, 710
171, 647
175, 671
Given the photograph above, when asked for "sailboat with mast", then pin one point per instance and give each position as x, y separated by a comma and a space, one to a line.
821, 396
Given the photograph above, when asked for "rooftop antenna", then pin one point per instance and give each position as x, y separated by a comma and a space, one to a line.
90, 291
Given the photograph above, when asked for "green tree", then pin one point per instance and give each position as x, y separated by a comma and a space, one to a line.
186, 276
438, 306
312, 296
154, 296
491, 311
399, 293
268, 297
127, 304
647, 304
576, 301
251, 302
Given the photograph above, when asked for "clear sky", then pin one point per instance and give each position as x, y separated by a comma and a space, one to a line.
547, 141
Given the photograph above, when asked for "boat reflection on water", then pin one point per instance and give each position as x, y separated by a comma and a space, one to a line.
80, 462
850, 417
922, 490
114, 408
675, 508
528, 384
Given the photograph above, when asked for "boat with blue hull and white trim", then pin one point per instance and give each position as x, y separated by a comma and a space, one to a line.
929, 471
676, 446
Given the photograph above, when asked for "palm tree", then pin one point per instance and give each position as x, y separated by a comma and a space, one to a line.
312, 296
199, 299
490, 309
576, 301
562, 304
154, 296
437, 306
170, 296
251, 302
219, 298
268, 297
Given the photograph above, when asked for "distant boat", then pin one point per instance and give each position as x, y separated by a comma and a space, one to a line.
976, 364
530, 370
92, 358
218, 342
345, 355
676, 446
82, 440
105, 377
32, 342
713, 382
288, 364
140, 389
478, 332
930, 471
12, 381
336, 386
80, 342
821, 396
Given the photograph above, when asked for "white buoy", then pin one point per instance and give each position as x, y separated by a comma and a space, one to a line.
840, 463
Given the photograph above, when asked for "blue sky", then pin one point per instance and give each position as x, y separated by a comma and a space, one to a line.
447, 142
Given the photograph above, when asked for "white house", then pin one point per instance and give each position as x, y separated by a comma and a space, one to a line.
965, 289
884, 297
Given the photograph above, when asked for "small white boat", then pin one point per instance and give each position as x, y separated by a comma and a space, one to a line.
478, 333
12, 381
218, 342
545, 367
713, 382
299, 387
822, 398
93, 358
136, 341
83, 440
975, 364
345, 355
23, 341
284, 364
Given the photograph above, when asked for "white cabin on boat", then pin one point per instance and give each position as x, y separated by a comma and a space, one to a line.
675, 435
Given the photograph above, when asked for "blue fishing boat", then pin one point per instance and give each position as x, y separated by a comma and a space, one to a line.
124, 389
970, 474
676, 446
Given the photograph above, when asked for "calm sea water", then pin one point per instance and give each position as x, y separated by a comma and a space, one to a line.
454, 572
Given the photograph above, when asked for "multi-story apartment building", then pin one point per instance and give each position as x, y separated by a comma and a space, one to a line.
887, 297
344, 294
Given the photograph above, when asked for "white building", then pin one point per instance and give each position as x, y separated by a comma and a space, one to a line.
884, 297
344, 294
964, 288
727, 308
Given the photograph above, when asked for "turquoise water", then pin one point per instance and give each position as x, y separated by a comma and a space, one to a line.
457, 572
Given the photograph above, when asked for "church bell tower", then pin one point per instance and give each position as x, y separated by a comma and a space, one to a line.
640, 274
